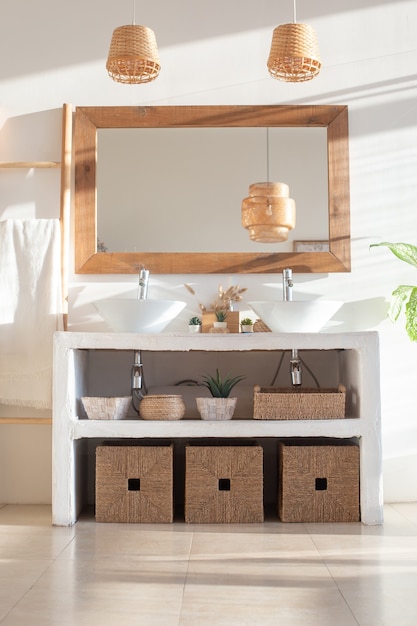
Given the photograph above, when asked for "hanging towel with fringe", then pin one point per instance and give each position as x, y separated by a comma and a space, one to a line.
30, 309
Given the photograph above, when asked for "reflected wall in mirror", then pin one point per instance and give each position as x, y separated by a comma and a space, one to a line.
181, 178
320, 186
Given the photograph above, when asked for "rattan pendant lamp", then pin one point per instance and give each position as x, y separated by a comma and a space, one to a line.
294, 56
133, 55
268, 213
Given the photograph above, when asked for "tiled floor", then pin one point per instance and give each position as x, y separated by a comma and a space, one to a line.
271, 573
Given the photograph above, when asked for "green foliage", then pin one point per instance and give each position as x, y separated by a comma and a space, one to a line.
221, 315
247, 321
194, 321
404, 297
221, 387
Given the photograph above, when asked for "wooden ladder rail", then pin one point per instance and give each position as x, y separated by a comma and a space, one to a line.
64, 216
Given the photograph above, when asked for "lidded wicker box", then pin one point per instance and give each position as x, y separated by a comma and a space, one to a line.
297, 403
223, 482
134, 483
318, 480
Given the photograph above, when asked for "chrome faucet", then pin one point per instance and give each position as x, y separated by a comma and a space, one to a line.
287, 284
143, 284
137, 381
295, 361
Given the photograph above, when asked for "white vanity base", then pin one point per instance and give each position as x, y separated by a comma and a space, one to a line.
359, 364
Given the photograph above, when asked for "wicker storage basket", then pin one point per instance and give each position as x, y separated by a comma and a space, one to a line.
224, 482
271, 403
260, 327
318, 480
134, 483
106, 408
162, 407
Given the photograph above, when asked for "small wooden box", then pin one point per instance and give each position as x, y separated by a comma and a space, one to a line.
273, 403
134, 483
224, 483
318, 480
232, 319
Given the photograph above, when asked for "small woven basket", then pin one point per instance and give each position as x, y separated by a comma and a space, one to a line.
271, 403
106, 408
162, 407
216, 408
260, 327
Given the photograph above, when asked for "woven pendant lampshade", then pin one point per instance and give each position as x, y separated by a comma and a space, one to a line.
268, 212
294, 56
133, 56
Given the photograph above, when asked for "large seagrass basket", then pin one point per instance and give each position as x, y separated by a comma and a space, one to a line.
274, 403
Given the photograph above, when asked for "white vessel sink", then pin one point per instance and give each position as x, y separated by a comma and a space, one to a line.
296, 316
138, 316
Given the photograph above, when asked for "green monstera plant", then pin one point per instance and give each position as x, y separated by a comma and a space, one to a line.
404, 296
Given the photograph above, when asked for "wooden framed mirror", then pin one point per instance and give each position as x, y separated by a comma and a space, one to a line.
88, 121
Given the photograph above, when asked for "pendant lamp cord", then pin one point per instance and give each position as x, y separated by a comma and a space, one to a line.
134, 12
295, 13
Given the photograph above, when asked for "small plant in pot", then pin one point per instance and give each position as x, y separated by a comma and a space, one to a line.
246, 325
221, 319
194, 324
220, 406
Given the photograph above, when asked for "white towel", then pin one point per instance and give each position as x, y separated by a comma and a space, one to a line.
30, 309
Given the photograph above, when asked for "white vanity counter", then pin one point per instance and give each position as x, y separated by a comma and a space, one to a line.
358, 356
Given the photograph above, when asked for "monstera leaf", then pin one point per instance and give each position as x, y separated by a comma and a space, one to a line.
404, 296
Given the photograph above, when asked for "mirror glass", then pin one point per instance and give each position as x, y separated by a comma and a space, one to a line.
162, 183
163, 187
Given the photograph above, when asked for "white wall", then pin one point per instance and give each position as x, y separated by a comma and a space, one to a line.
215, 53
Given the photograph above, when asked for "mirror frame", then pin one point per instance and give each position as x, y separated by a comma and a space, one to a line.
89, 119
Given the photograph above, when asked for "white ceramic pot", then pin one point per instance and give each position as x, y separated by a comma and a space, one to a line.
194, 328
246, 328
220, 325
216, 408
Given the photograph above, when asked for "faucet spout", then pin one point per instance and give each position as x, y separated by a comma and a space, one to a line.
143, 284
287, 284
295, 362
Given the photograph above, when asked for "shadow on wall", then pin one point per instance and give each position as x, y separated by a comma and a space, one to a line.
29, 192
360, 315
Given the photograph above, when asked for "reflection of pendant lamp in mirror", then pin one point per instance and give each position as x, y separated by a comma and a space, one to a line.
294, 55
133, 55
268, 213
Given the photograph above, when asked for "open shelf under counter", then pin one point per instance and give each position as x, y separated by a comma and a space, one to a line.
358, 366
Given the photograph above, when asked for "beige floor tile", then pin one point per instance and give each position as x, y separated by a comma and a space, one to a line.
114, 541
266, 591
32, 545
214, 575
23, 515
75, 592
406, 509
207, 544
16, 578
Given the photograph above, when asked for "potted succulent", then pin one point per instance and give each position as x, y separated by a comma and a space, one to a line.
221, 317
246, 325
194, 324
404, 294
219, 406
